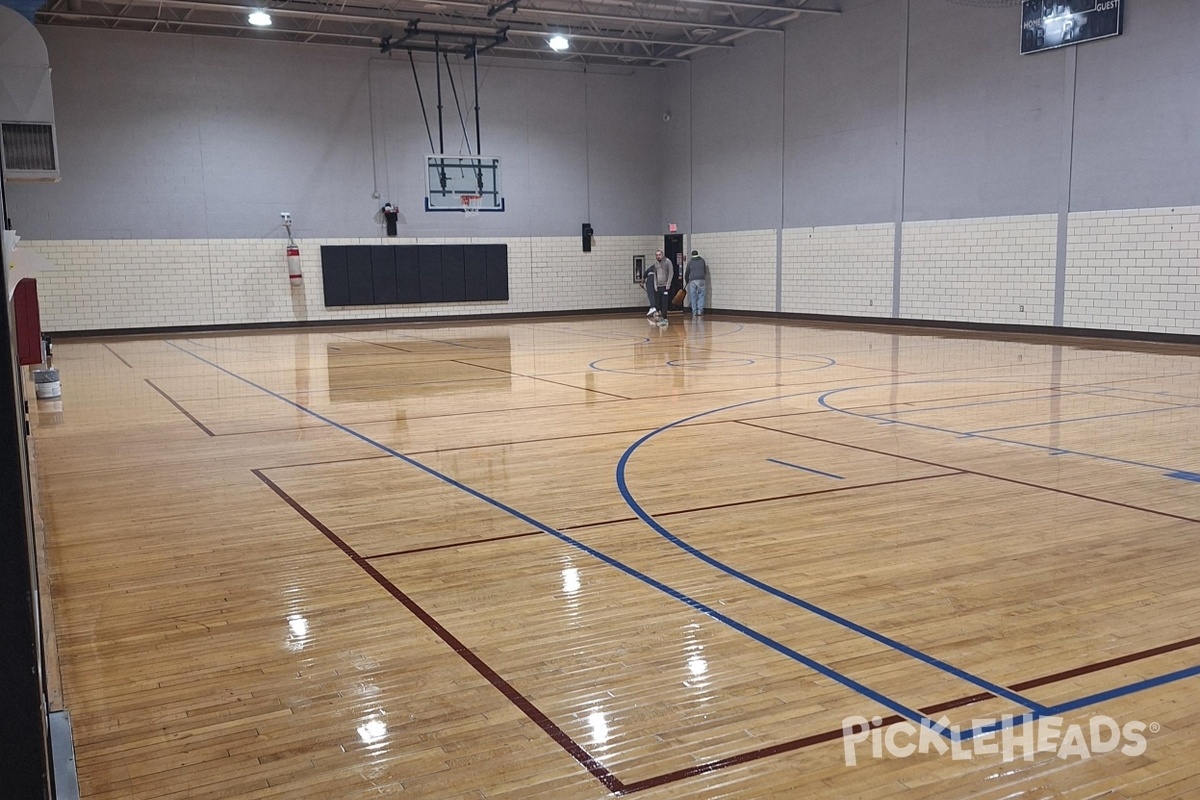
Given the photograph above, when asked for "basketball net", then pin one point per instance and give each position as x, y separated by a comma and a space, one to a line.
471, 204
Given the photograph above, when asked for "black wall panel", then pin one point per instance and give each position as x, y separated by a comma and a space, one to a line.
408, 273
430, 259
475, 272
497, 271
333, 270
454, 287
359, 275
383, 274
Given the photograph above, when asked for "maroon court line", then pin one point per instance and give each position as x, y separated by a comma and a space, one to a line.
324, 463
365, 422
560, 737
536, 378
118, 355
373, 344
1102, 665
451, 545
180, 408
1067, 492
521, 441
620, 520
607, 778
738, 503
599, 524
399, 383
912, 406
928, 711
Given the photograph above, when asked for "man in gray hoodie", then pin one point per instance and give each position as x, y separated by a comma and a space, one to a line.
658, 283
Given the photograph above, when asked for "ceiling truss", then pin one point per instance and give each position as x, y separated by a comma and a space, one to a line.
632, 32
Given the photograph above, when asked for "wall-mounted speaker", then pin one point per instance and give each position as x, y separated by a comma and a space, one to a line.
587, 237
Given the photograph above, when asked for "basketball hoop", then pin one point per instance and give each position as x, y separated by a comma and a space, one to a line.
471, 203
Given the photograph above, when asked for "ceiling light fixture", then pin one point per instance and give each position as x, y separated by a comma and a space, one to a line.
259, 18
558, 43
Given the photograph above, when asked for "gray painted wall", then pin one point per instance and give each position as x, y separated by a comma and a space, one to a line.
203, 137
983, 120
843, 77
198, 137
676, 186
736, 131
981, 125
1137, 112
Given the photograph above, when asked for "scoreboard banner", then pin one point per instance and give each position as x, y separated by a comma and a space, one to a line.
1046, 25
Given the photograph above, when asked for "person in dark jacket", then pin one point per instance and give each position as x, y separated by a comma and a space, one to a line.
696, 277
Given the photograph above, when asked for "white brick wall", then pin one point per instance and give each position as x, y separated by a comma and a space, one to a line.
1134, 270
741, 269
843, 270
1126, 270
143, 283
980, 270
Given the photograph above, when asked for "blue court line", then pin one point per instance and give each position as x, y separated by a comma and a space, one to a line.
1158, 410
1057, 393
647, 371
805, 469
1078, 703
617, 338
823, 400
692, 603
623, 487
816, 666
1194, 477
889, 415
1129, 688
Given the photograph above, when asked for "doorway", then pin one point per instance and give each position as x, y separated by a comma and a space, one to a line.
673, 249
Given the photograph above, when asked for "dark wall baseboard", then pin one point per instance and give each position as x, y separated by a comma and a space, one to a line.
994, 329
946, 327
329, 323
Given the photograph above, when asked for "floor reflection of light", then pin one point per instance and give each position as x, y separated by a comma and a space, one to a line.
697, 664
570, 578
599, 727
297, 632
373, 731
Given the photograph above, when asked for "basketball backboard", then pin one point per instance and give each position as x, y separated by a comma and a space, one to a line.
450, 178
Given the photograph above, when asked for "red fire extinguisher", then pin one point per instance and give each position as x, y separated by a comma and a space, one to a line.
295, 276
293, 260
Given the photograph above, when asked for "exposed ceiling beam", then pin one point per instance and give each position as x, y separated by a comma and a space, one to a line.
363, 39
799, 9
670, 23
542, 33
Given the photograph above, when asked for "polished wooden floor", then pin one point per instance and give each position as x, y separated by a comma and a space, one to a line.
587, 556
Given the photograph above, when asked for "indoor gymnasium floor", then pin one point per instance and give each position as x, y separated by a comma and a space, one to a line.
579, 557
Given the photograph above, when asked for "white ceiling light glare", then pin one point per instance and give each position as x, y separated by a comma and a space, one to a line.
259, 18
558, 43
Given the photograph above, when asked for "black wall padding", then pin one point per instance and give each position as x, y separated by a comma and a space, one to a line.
408, 274
431, 273
359, 275
475, 273
497, 270
383, 275
333, 269
454, 287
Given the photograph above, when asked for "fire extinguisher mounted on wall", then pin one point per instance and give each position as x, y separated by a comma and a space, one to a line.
295, 276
